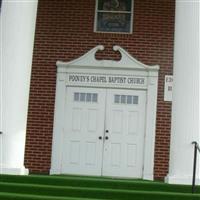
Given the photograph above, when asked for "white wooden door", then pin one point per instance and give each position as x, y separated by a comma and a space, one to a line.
84, 129
104, 142
124, 134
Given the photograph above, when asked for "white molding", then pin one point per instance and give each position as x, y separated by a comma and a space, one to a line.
14, 170
148, 176
88, 61
150, 132
128, 66
185, 180
58, 124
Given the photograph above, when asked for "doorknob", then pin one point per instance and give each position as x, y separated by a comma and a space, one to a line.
107, 131
100, 137
106, 137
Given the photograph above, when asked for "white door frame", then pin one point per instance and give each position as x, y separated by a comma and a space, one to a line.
127, 73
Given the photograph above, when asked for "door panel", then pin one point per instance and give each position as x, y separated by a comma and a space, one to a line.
104, 142
125, 119
84, 124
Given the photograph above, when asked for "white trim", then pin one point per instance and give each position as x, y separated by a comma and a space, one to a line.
58, 126
88, 61
128, 12
150, 135
128, 66
185, 180
14, 170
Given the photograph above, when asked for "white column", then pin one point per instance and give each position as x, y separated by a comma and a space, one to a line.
17, 37
185, 106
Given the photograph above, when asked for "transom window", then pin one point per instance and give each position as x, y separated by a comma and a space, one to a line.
114, 16
125, 99
86, 97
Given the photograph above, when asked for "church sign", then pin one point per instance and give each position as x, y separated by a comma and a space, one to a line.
103, 80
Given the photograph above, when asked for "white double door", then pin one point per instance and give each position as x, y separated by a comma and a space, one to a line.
104, 132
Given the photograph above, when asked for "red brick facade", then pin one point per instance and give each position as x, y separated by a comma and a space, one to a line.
64, 31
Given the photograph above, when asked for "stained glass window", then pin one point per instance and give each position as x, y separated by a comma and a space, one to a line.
114, 16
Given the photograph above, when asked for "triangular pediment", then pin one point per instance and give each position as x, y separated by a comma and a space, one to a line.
126, 62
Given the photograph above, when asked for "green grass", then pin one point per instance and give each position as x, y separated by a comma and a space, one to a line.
80, 187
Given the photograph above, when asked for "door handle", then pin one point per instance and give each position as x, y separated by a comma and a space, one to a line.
100, 137
107, 131
106, 137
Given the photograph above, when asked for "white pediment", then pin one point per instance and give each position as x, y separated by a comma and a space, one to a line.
88, 60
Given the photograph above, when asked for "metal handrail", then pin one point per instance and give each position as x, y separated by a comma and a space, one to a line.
196, 149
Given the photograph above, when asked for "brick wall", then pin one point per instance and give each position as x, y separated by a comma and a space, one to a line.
64, 31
